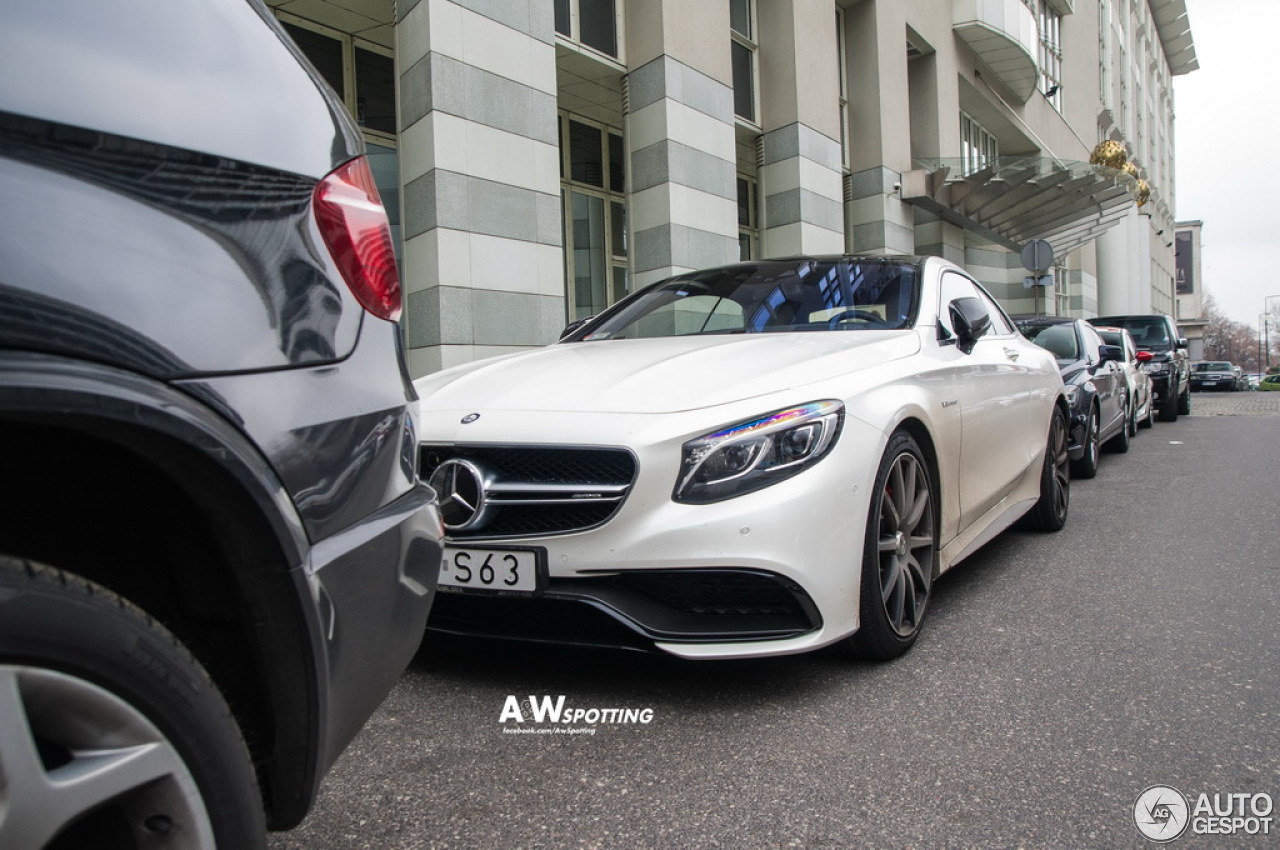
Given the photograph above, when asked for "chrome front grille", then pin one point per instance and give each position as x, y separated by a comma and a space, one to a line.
532, 491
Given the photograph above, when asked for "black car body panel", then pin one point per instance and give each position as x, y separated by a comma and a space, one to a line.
1090, 371
196, 410
1170, 365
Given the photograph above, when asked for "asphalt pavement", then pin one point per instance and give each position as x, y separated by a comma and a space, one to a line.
1058, 677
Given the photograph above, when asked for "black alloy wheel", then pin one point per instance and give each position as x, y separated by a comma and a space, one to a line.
1087, 465
1050, 512
900, 553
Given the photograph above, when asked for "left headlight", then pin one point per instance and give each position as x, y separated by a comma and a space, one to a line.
755, 454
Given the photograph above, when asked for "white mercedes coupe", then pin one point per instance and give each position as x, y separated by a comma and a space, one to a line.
760, 459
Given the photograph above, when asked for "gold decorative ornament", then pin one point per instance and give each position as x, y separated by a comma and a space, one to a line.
1109, 153
1144, 191
1131, 169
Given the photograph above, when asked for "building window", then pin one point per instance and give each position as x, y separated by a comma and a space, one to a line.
748, 227
1061, 292
593, 23
363, 75
1050, 25
744, 55
595, 236
978, 148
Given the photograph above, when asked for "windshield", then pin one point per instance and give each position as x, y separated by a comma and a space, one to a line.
1112, 337
1212, 367
769, 297
1146, 333
1060, 340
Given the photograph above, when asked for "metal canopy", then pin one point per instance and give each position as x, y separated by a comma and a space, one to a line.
1017, 199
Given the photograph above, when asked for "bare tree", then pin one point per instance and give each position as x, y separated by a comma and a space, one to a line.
1242, 344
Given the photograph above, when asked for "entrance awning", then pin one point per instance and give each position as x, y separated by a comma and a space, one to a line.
1017, 199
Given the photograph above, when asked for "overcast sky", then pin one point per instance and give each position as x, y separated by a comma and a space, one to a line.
1227, 150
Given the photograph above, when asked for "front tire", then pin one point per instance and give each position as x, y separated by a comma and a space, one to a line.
111, 734
899, 554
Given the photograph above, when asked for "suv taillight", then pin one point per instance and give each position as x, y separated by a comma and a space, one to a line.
354, 225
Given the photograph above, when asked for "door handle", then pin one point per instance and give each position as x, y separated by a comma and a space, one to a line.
1012, 354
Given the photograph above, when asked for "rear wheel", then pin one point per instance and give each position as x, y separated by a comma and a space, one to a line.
1087, 465
1050, 512
1150, 419
111, 734
1119, 444
899, 554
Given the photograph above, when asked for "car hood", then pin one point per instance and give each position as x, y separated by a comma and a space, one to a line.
659, 375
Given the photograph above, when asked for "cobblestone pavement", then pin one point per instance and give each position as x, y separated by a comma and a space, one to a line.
1235, 404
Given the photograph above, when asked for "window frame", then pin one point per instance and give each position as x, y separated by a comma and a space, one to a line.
574, 36
1049, 30
986, 146
616, 257
750, 42
349, 94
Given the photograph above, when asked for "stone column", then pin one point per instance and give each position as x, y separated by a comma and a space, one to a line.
801, 176
483, 267
682, 193
880, 128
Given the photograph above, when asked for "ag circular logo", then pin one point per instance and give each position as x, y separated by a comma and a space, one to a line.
1161, 813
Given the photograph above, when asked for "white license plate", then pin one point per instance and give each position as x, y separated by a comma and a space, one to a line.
499, 570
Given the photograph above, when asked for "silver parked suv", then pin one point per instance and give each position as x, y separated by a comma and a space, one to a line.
215, 557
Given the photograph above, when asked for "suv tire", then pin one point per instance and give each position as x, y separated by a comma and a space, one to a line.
84, 672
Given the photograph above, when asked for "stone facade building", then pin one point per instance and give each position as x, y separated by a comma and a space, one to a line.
543, 158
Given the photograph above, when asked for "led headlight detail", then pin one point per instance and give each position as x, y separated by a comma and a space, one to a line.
755, 454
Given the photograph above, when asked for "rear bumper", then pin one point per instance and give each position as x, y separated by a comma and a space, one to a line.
373, 586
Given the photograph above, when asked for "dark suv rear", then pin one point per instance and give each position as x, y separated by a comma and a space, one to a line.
216, 557
1169, 366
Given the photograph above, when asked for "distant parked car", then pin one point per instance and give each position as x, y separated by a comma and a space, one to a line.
1142, 408
1169, 366
1096, 386
1271, 383
1217, 375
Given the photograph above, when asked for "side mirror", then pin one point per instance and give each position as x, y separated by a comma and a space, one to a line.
1110, 354
1182, 342
971, 320
1144, 356
573, 326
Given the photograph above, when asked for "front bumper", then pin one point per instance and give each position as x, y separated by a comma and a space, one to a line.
770, 572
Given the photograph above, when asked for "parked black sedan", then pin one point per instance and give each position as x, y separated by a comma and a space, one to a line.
1095, 385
